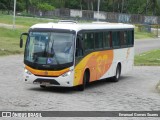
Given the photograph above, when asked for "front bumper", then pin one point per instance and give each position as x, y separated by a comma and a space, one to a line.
64, 81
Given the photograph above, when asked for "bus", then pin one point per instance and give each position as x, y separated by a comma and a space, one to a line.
72, 54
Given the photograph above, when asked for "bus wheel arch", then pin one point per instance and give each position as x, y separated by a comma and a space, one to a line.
86, 78
87, 72
117, 75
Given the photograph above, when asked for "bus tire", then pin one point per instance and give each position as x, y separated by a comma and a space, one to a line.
118, 74
85, 80
42, 86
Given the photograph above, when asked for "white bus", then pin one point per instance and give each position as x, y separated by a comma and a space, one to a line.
72, 54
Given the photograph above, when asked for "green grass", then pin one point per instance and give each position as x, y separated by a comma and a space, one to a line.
143, 35
9, 38
151, 58
23, 21
9, 41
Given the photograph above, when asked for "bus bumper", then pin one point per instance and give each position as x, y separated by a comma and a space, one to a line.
65, 80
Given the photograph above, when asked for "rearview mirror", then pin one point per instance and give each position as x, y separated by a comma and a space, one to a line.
21, 40
21, 43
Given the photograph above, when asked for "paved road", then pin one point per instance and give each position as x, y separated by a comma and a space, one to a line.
146, 45
135, 91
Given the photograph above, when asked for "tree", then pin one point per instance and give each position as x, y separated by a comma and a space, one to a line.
45, 7
90, 4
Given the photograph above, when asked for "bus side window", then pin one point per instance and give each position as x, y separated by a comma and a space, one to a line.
89, 41
106, 40
123, 38
115, 39
130, 38
99, 40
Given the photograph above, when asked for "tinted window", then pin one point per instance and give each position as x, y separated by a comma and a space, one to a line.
106, 42
99, 40
115, 39
130, 38
123, 38
89, 40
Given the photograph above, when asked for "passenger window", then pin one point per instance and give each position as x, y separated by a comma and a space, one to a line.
99, 40
115, 39
89, 41
130, 38
106, 42
123, 38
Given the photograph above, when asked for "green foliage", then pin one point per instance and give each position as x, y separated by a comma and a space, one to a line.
146, 7
45, 7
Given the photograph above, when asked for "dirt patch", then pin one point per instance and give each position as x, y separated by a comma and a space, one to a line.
10, 26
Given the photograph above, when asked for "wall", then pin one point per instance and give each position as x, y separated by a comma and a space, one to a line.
103, 16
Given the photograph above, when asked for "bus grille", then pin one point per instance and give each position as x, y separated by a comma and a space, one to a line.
51, 81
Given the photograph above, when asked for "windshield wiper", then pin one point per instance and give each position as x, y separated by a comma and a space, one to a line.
35, 58
53, 54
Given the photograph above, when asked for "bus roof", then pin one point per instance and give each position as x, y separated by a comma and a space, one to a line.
83, 26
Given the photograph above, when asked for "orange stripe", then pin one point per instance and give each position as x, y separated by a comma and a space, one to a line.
98, 63
46, 72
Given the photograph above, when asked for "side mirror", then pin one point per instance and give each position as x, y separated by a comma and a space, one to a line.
21, 43
21, 40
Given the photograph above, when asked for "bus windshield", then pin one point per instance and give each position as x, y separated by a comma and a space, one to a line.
50, 48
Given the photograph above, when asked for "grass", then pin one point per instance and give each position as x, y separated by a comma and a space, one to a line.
24, 21
143, 35
151, 58
9, 38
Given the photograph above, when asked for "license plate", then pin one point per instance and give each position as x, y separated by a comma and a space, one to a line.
45, 83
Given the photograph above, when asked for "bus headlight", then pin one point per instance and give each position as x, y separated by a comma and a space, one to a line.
67, 73
28, 72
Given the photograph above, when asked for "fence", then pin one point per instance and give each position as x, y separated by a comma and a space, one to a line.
102, 16
154, 29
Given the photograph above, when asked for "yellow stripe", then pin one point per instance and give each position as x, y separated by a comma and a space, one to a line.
46, 72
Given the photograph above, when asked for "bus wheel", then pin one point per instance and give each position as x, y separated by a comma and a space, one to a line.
42, 86
85, 79
118, 73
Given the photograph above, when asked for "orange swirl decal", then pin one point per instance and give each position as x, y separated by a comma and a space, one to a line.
98, 64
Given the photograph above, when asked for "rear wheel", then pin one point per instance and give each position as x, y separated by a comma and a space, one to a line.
118, 73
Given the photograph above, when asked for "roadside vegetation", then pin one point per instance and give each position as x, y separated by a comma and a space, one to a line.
143, 34
151, 58
9, 38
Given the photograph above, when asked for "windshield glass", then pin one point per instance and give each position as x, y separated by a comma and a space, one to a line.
49, 48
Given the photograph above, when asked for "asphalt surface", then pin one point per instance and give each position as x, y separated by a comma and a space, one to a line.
145, 45
134, 92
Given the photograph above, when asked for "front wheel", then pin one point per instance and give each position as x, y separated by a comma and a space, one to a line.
118, 74
85, 79
42, 86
